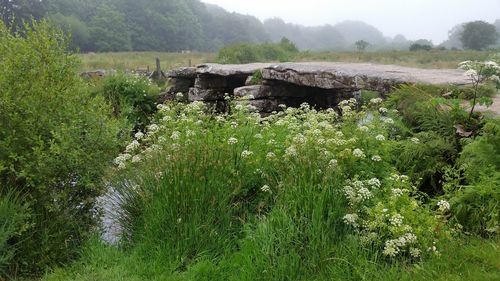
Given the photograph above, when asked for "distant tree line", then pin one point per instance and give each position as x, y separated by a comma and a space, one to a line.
176, 25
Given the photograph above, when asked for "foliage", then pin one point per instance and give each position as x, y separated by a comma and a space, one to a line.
418, 47
478, 35
361, 45
56, 142
132, 97
248, 53
109, 31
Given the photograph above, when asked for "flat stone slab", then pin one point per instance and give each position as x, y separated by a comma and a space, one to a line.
183, 72
333, 75
231, 69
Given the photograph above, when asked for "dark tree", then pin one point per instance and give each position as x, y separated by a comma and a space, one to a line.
478, 35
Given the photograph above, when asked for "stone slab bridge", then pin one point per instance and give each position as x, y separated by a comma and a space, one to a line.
322, 84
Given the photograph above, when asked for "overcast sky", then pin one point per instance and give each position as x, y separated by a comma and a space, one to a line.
416, 19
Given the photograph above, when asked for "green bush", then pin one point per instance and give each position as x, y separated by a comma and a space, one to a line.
56, 142
249, 53
131, 97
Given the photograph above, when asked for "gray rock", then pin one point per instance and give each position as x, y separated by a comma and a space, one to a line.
197, 94
183, 72
211, 82
231, 69
355, 76
262, 106
255, 92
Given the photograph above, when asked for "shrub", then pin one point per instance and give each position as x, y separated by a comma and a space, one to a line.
248, 53
56, 143
132, 97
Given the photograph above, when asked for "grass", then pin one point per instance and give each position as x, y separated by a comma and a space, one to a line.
432, 59
141, 60
235, 198
470, 259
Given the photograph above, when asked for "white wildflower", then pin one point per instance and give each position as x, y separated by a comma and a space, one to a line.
291, 151
376, 101
136, 159
179, 96
258, 136
270, 156
351, 219
232, 141
380, 138
396, 192
246, 153
443, 206
415, 252
175, 135
383, 110
374, 183
415, 140
376, 158
133, 146
363, 128
139, 135
266, 189
333, 163
358, 153
396, 220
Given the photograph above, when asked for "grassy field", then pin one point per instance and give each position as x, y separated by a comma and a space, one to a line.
141, 60
136, 60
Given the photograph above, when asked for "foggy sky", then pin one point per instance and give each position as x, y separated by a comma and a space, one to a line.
415, 19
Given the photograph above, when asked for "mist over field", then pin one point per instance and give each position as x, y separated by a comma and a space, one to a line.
414, 19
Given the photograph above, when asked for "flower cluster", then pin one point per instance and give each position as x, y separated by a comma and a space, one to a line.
385, 214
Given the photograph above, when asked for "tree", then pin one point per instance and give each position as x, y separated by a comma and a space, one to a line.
478, 35
109, 32
361, 45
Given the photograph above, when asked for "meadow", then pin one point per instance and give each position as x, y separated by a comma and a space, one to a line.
141, 60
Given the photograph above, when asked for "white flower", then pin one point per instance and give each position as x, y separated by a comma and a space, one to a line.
364, 194
376, 158
387, 120
136, 159
246, 153
391, 248
258, 136
232, 141
376, 101
375, 183
133, 146
291, 151
175, 135
471, 73
383, 110
234, 124
238, 107
397, 192
415, 252
358, 153
380, 138
443, 206
333, 163
270, 156
179, 96
266, 189
351, 219
153, 128
495, 78
139, 135
396, 220
415, 140
363, 129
